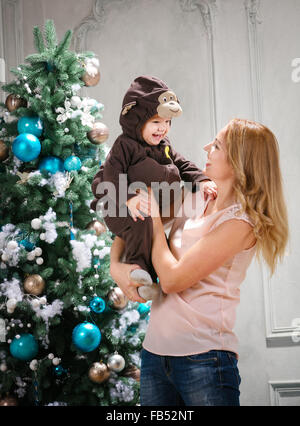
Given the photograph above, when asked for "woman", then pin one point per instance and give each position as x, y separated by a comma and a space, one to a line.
190, 354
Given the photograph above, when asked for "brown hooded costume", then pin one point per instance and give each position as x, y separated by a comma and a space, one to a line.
131, 155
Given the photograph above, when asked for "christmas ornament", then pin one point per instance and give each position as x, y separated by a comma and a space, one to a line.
91, 76
3, 151
32, 125
144, 309
34, 284
97, 305
72, 163
51, 165
133, 372
25, 347
50, 67
26, 147
27, 245
117, 298
99, 373
96, 226
99, 133
86, 336
36, 223
116, 363
85, 153
11, 305
59, 371
14, 102
8, 401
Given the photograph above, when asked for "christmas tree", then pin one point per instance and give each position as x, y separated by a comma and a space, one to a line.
68, 335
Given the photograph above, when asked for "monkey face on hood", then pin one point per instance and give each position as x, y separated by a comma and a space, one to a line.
147, 96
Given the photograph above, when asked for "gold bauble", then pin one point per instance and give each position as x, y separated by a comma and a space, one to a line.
99, 133
14, 102
117, 298
99, 373
3, 151
97, 226
8, 401
90, 79
34, 284
133, 372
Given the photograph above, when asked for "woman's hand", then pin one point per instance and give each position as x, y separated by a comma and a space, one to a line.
209, 188
120, 273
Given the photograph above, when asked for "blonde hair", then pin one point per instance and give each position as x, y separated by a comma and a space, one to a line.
253, 152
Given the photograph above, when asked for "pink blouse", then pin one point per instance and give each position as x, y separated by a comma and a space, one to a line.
202, 317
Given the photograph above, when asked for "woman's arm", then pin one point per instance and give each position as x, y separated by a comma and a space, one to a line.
120, 272
204, 257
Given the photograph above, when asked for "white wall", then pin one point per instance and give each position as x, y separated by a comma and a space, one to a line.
223, 58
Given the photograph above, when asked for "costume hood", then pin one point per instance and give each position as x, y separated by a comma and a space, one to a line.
146, 97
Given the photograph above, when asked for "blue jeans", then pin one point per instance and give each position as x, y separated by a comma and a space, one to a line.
210, 378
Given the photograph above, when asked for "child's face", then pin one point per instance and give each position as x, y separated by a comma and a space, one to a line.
155, 129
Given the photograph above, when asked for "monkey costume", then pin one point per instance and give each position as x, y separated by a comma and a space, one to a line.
141, 162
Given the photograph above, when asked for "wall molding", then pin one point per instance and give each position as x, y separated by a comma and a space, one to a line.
276, 336
253, 21
207, 8
12, 23
281, 389
93, 22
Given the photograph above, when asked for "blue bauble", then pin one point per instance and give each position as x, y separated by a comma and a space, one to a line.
144, 309
72, 163
51, 165
26, 147
24, 348
86, 153
97, 305
31, 125
27, 245
59, 371
86, 336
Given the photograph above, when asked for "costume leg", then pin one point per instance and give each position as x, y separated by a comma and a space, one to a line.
138, 243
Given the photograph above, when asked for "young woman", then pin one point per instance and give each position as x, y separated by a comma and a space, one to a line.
190, 352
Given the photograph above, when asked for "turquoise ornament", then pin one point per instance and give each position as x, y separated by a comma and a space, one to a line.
31, 125
59, 371
26, 147
144, 309
27, 245
72, 163
97, 305
24, 348
85, 153
51, 165
86, 336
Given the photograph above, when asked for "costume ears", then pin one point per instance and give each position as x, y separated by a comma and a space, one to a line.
128, 107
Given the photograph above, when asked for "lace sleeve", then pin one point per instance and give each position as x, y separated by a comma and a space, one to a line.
232, 213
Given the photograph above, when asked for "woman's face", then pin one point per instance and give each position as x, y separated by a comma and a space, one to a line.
217, 166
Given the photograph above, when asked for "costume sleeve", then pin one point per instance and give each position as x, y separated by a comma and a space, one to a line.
188, 170
116, 163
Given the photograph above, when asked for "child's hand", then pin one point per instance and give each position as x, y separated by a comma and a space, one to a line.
210, 188
138, 205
